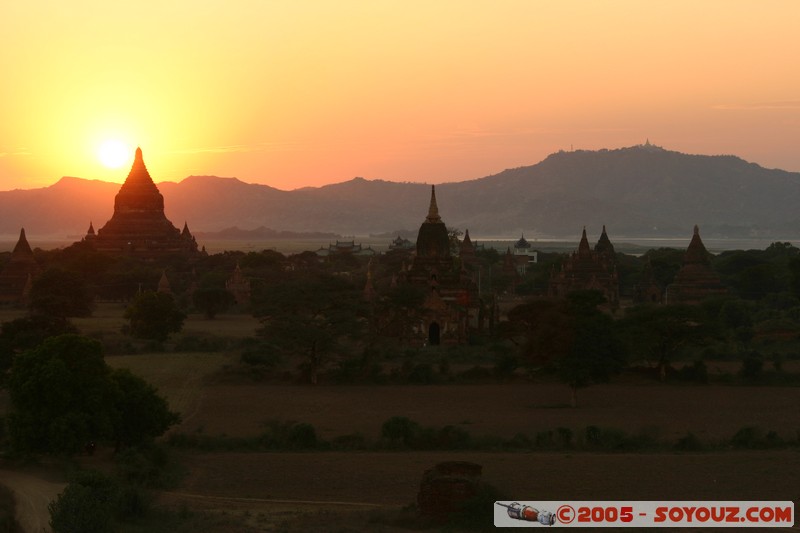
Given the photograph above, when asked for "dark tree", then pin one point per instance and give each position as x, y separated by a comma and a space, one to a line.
154, 316
396, 313
63, 395
659, 333
596, 352
140, 413
60, 293
570, 337
87, 504
311, 316
28, 332
212, 300
60, 396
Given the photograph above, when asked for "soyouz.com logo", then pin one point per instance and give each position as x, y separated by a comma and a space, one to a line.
644, 514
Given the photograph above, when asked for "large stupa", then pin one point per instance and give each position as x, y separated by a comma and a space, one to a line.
139, 226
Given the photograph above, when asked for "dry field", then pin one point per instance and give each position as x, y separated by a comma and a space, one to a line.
710, 412
345, 491
108, 318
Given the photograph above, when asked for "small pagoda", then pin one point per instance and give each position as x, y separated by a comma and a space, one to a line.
139, 226
696, 280
16, 278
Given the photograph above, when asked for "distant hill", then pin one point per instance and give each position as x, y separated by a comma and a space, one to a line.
641, 191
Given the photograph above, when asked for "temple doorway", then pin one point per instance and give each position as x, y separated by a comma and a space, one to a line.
433, 334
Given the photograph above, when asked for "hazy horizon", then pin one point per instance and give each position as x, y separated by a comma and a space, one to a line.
306, 94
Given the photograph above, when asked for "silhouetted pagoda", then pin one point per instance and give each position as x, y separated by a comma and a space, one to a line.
695, 281
451, 297
139, 226
588, 269
16, 278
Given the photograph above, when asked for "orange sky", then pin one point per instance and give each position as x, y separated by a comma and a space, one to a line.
302, 93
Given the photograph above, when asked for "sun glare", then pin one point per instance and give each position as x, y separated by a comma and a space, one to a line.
114, 153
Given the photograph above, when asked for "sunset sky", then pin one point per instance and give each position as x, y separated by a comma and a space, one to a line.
305, 93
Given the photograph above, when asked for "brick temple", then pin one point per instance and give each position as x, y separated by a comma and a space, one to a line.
696, 280
139, 226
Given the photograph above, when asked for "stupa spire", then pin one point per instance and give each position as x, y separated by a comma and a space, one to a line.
696, 252
433, 210
22, 248
583, 246
139, 180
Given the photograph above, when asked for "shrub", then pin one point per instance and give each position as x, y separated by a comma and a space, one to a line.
262, 355
696, 373
453, 438
302, 436
87, 504
748, 437
564, 437
400, 431
752, 367
544, 439
689, 443
505, 366
520, 441
423, 374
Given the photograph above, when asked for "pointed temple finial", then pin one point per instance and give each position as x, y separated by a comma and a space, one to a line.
696, 230
138, 155
22, 247
583, 246
433, 210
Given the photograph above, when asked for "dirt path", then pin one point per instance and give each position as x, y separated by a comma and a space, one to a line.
32, 494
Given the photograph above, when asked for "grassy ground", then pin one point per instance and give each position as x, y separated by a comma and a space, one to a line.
363, 491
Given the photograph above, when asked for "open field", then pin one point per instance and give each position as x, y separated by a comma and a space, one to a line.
710, 412
392, 478
108, 318
348, 491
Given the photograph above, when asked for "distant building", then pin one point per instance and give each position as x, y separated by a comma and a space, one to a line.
17, 276
138, 226
524, 255
696, 280
239, 286
163, 284
588, 269
399, 243
345, 247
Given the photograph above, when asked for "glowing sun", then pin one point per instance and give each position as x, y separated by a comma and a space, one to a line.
113, 153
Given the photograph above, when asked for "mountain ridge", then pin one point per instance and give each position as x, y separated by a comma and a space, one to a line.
642, 191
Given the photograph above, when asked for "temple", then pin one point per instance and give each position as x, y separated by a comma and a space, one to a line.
16, 278
451, 301
695, 281
588, 269
139, 226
